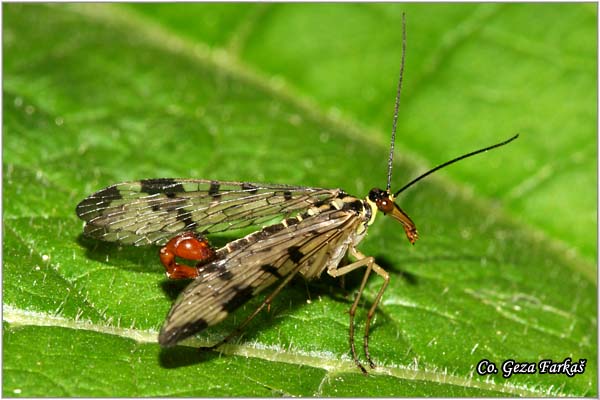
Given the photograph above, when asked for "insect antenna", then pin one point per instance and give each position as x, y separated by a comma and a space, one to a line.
397, 105
431, 171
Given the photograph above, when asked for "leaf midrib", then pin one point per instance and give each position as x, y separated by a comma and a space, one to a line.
19, 317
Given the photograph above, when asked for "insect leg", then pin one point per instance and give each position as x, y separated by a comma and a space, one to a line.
386, 280
266, 302
362, 262
369, 262
186, 245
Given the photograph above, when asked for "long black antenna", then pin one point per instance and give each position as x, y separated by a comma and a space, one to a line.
431, 171
391, 159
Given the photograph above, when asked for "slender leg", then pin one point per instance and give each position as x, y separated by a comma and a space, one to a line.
369, 262
186, 245
386, 280
365, 262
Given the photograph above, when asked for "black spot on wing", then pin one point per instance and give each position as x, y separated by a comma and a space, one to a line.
287, 195
109, 193
225, 275
292, 221
100, 199
295, 254
186, 218
269, 268
214, 268
239, 244
242, 295
213, 190
249, 188
271, 229
168, 186
209, 268
319, 203
170, 337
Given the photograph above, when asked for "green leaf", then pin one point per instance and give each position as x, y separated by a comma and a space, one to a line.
303, 94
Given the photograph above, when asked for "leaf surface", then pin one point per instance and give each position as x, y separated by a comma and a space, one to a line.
504, 269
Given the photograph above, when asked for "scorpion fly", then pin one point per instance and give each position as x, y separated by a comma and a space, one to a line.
318, 228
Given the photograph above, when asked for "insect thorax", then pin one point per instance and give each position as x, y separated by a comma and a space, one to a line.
360, 215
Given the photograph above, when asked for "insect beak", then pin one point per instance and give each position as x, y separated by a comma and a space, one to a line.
384, 201
409, 226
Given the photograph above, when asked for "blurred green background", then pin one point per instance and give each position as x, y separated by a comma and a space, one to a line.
303, 94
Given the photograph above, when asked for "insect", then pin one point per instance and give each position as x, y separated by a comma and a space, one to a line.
318, 227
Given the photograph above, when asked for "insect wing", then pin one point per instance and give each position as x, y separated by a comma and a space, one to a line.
152, 211
252, 264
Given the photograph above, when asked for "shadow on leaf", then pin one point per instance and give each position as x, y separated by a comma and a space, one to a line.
137, 258
392, 268
182, 356
172, 287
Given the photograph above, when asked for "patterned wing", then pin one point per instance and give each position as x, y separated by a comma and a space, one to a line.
248, 265
152, 211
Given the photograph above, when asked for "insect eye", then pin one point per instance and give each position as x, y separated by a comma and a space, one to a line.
375, 195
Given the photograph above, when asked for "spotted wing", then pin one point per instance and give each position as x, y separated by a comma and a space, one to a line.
247, 266
154, 210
